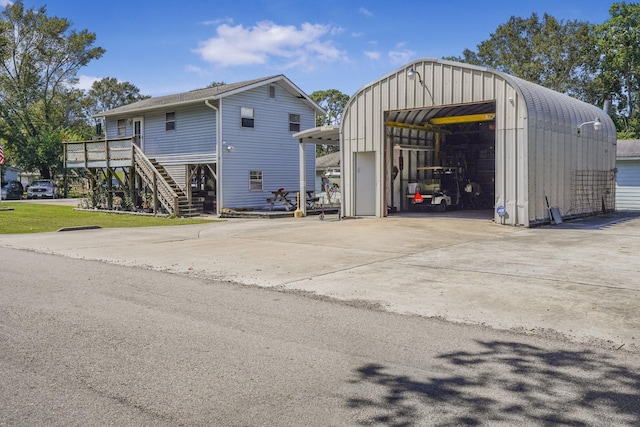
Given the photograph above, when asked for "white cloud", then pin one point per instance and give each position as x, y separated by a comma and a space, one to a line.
85, 82
226, 20
196, 70
237, 45
5, 3
372, 54
401, 55
365, 12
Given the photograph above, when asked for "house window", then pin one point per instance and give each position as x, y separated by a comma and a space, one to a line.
170, 122
122, 127
255, 180
272, 91
247, 117
294, 122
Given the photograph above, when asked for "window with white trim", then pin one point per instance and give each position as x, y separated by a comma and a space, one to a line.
294, 122
246, 117
170, 121
122, 127
255, 180
272, 91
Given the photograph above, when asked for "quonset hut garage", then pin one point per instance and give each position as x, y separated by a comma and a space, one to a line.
437, 135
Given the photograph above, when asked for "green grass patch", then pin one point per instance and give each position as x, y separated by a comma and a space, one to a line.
40, 218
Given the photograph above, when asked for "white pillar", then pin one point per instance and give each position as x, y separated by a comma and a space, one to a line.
303, 179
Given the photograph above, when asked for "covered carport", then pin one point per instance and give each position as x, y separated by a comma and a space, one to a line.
308, 139
515, 148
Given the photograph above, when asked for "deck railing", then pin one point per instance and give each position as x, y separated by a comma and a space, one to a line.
99, 153
121, 152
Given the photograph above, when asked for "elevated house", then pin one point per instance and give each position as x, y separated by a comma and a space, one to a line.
225, 147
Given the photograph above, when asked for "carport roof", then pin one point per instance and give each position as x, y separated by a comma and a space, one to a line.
324, 135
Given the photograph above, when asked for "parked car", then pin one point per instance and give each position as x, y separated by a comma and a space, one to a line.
41, 189
12, 190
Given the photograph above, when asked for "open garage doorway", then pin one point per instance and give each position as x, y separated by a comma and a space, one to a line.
441, 159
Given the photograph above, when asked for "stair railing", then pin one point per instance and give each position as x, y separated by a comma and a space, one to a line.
152, 177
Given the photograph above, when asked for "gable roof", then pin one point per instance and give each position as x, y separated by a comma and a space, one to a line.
331, 160
211, 93
628, 148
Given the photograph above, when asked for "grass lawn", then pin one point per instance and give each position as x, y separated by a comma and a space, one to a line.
39, 218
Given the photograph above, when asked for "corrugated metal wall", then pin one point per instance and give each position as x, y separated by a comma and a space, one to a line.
537, 145
628, 185
563, 165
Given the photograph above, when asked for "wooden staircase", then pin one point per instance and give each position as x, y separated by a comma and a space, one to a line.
172, 198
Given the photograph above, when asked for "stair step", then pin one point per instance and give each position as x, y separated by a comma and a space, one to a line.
184, 207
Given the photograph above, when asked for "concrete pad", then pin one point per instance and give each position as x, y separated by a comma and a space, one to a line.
578, 280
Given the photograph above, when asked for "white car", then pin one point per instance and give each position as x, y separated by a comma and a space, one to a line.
42, 189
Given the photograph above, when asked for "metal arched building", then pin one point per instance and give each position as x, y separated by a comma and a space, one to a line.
525, 147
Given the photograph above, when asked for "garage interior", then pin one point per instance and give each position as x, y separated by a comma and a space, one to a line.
442, 158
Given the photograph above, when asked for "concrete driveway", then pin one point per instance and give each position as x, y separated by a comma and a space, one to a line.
579, 280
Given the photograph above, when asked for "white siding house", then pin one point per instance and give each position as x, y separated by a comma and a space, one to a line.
524, 145
232, 142
628, 176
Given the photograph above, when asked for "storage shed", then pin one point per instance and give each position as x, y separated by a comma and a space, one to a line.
470, 137
628, 176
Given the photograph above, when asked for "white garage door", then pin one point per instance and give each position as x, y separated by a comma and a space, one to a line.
628, 185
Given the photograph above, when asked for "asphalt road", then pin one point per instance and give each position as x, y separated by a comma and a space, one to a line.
89, 343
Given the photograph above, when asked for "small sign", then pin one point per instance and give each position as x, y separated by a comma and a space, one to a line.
501, 211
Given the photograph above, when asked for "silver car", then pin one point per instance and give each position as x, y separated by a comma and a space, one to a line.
42, 189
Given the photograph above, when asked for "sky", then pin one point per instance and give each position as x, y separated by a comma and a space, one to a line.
167, 47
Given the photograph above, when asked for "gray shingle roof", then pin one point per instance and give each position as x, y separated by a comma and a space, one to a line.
328, 161
200, 95
628, 148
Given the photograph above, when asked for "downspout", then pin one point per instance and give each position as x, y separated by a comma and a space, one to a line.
219, 198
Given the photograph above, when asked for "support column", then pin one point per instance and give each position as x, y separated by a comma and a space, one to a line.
303, 179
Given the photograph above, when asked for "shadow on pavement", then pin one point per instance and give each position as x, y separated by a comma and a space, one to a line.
505, 383
597, 222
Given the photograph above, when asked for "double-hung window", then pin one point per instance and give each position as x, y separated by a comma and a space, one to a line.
294, 122
246, 116
170, 121
255, 180
122, 127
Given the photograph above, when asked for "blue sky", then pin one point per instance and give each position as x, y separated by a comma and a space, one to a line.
166, 47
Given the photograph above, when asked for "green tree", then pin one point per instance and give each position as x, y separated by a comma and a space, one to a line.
555, 54
39, 60
333, 102
216, 84
109, 93
618, 44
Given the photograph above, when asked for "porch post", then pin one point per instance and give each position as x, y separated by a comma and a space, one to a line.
303, 179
